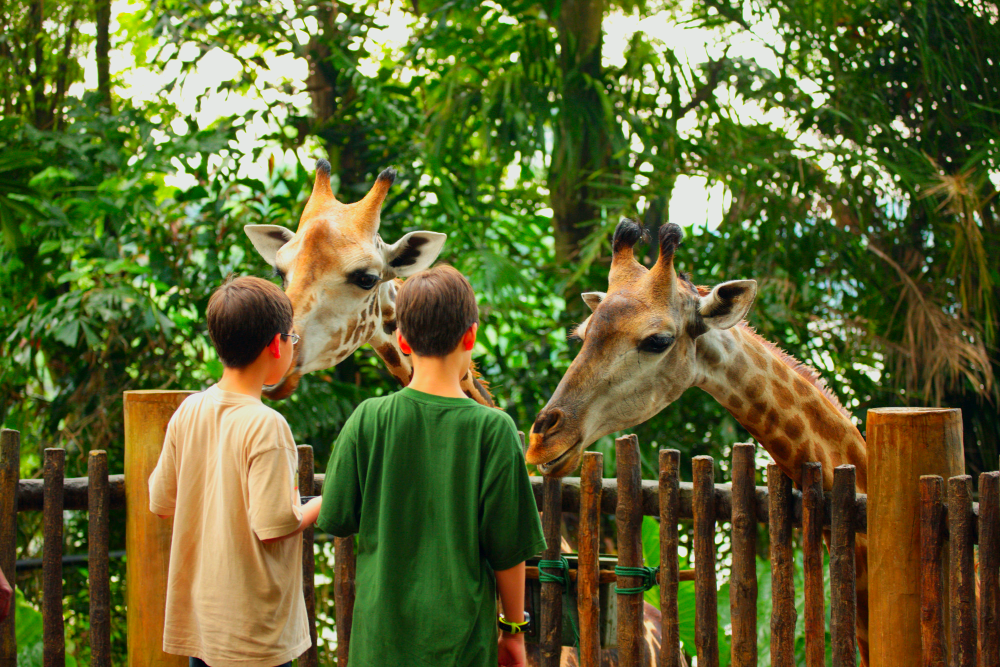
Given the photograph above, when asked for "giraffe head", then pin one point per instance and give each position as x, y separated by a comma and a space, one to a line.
333, 269
638, 352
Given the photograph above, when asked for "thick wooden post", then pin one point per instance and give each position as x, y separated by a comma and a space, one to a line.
903, 444
147, 537
588, 587
743, 583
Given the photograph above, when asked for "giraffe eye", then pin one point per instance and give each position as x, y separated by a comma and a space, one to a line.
656, 343
363, 279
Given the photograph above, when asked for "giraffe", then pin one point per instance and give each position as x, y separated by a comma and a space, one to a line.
651, 336
342, 280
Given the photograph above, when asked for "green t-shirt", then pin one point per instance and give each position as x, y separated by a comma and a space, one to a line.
437, 492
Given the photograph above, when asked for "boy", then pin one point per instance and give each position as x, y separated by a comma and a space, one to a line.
435, 487
227, 474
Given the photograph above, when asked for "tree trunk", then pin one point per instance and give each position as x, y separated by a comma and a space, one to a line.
103, 17
582, 141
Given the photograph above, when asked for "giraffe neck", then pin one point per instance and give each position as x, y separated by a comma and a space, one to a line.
793, 416
386, 346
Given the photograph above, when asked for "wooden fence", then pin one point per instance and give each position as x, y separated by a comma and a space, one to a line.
838, 515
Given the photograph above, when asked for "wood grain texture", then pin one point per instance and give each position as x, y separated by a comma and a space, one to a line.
963, 574
843, 597
310, 658
989, 568
629, 520
147, 537
903, 444
934, 648
743, 582
98, 570
53, 628
782, 568
345, 569
670, 466
10, 472
551, 622
588, 567
812, 563
706, 591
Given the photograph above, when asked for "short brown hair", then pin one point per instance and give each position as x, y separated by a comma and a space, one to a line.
434, 309
243, 316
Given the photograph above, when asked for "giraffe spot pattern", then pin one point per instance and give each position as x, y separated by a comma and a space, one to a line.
758, 358
734, 402
802, 388
782, 394
737, 369
389, 355
779, 447
755, 387
794, 427
820, 422
780, 369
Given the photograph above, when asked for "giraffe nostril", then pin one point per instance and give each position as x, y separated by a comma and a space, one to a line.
548, 422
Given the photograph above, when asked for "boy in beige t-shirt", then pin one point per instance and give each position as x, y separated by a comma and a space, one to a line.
227, 474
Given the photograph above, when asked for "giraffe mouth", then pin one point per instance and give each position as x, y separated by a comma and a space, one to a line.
558, 467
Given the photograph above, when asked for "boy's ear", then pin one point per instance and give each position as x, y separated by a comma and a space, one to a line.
403, 345
268, 239
414, 252
469, 337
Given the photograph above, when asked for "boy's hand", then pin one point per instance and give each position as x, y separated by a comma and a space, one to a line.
510, 650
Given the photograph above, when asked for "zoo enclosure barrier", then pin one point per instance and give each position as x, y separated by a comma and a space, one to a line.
839, 515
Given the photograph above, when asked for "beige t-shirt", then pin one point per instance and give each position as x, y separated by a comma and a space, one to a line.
228, 475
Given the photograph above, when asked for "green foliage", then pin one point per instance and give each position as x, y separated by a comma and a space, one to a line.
860, 169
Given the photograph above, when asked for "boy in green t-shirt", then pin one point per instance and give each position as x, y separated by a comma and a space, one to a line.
435, 487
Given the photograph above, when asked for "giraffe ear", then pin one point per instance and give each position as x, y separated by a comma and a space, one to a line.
727, 303
412, 253
268, 239
593, 299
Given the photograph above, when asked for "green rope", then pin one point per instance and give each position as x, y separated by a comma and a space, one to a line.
648, 575
562, 578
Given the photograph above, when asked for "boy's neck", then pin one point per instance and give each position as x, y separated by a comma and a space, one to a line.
248, 381
440, 376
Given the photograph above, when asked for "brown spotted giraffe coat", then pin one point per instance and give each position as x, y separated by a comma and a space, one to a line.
652, 336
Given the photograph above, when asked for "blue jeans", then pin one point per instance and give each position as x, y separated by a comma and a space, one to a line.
196, 662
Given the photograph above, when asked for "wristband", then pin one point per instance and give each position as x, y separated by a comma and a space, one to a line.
514, 628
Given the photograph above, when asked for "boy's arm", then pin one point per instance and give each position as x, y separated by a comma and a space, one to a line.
341, 514
510, 586
309, 513
163, 479
510, 531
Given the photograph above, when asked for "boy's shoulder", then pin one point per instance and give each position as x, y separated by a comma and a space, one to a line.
248, 411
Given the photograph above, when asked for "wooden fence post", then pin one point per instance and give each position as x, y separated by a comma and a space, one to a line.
550, 623
306, 473
147, 537
629, 518
10, 474
706, 619
53, 627
903, 445
98, 570
588, 587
